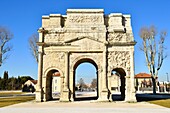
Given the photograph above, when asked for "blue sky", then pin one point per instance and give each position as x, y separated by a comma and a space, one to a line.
23, 18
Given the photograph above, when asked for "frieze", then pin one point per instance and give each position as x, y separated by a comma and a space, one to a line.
54, 37
119, 37
85, 19
56, 30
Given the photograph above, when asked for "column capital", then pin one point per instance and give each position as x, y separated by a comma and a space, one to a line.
66, 52
42, 30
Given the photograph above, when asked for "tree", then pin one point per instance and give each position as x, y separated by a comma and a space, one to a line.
5, 37
5, 80
6, 75
82, 84
94, 83
33, 46
153, 51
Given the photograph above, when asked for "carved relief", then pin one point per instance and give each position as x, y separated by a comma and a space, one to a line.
54, 37
56, 30
119, 59
54, 59
85, 19
119, 37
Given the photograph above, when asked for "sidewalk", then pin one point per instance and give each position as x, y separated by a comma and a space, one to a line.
84, 107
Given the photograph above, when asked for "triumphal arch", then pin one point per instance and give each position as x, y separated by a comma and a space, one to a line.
86, 35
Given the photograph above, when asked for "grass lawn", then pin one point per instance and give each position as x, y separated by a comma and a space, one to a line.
10, 93
15, 100
165, 103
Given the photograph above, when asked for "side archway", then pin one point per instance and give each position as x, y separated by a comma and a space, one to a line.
52, 88
118, 84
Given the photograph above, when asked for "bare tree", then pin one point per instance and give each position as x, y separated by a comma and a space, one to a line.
5, 37
82, 84
94, 83
33, 46
154, 50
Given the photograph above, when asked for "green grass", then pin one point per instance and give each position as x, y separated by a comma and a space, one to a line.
10, 93
164, 103
15, 100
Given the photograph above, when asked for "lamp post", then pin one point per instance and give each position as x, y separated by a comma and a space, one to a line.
167, 77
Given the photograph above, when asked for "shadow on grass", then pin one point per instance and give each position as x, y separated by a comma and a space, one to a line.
150, 97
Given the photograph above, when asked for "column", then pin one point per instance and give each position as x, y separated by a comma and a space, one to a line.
130, 96
65, 94
39, 90
104, 87
66, 71
104, 92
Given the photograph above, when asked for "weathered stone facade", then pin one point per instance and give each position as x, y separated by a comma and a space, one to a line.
85, 35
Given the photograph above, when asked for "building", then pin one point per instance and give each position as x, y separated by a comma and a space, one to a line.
29, 86
116, 83
143, 82
56, 83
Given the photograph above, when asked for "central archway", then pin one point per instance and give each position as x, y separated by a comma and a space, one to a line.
84, 91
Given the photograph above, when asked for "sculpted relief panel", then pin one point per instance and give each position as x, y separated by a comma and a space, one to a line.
54, 59
118, 59
119, 37
56, 37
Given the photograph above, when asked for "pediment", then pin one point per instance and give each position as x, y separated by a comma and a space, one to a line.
81, 38
86, 43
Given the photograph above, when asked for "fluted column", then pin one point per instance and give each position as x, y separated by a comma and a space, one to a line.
66, 93
66, 71
104, 87
130, 83
39, 90
104, 92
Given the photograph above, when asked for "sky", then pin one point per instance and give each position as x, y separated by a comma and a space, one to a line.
23, 18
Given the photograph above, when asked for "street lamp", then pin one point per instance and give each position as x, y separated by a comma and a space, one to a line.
167, 77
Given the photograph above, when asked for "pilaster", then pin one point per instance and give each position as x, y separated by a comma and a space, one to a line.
104, 92
39, 90
65, 93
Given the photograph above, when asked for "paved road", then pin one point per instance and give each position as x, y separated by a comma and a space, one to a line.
84, 107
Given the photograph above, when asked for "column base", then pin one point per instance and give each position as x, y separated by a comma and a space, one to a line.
65, 96
104, 96
131, 98
38, 97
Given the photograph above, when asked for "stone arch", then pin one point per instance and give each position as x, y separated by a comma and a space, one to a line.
53, 68
48, 86
83, 57
76, 63
120, 75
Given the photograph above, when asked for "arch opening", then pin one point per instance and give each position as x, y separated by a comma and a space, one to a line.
85, 80
53, 86
118, 84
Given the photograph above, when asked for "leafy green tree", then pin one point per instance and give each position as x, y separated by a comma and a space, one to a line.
6, 75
